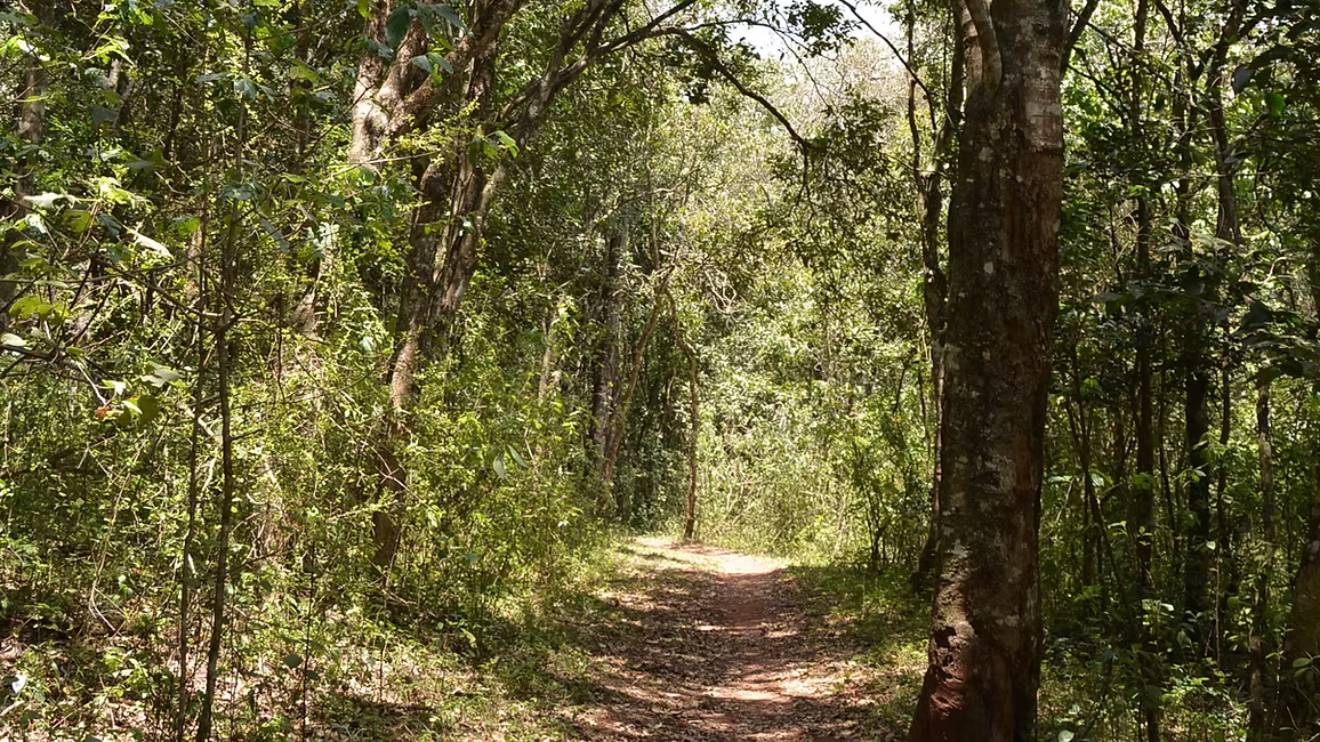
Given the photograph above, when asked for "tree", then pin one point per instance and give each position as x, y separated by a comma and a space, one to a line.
984, 656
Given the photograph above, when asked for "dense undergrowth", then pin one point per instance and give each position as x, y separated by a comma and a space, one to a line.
311, 664
347, 417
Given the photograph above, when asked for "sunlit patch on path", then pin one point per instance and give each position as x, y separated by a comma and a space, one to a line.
708, 644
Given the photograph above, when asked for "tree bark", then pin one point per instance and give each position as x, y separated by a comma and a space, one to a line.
227, 319
1227, 231
605, 385
446, 229
457, 190
1257, 642
694, 422
1196, 560
984, 654
934, 282
616, 423
1141, 505
1297, 700
1196, 383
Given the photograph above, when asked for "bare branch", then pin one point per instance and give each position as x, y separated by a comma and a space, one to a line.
912, 73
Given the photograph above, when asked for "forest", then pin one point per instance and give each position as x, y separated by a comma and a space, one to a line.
938, 370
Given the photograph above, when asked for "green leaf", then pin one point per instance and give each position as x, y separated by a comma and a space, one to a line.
1276, 103
114, 385
187, 226
10, 340
145, 407
1066, 736
517, 457
160, 376
507, 142
382, 50
300, 71
396, 26
30, 306
109, 189
78, 220
446, 12
245, 87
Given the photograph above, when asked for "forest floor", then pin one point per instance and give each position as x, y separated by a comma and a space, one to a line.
675, 643
658, 642
709, 644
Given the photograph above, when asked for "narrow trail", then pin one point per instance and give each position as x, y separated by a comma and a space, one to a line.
708, 644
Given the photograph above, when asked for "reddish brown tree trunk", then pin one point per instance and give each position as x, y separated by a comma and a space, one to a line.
984, 654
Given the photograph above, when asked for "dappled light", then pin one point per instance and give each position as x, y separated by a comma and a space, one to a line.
673, 370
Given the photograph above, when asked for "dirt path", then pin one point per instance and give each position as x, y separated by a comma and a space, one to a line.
707, 644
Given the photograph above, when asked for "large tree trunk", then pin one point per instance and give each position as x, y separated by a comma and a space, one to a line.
984, 654
1228, 231
1141, 522
399, 99
1196, 561
446, 229
616, 425
389, 99
1299, 706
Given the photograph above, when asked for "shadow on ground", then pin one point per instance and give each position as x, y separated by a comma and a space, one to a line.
687, 643
697, 643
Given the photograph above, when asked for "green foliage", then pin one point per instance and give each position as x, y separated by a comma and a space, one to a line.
148, 140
